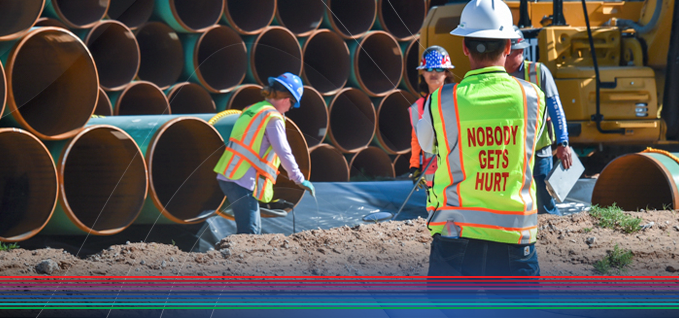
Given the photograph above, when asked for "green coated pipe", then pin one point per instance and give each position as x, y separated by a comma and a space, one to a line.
239, 98
326, 61
401, 18
377, 63
350, 19
411, 60
249, 17
186, 16
140, 98
645, 180
352, 119
301, 17
82, 14
23, 15
272, 52
393, 126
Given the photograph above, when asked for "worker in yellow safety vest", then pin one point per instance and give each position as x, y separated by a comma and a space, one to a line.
257, 146
484, 129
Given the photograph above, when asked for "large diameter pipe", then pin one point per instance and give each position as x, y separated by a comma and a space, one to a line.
311, 117
370, 163
350, 19
104, 107
273, 52
3, 90
180, 152
329, 165
102, 182
351, 120
77, 14
28, 185
411, 60
115, 52
216, 59
239, 98
301, 17
189, 98
17, 17
161, 54
401, 164
133, 13
326, 61
401, 18
189, 16
140, 98
249, 17
393, 133
639, 181
44, 21
52, 83
377, 63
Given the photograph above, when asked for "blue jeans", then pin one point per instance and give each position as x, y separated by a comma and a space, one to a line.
245, 208
545, 202
470, 257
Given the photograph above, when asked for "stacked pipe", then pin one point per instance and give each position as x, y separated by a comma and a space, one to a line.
168, 67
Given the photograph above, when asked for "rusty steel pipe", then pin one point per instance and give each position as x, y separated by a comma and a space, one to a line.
301, 17
329, 165
76, 14
102, 182
326, 61
52, 83
189, 16
311, 117
115, 52
352, 120
189, 98
370, 163
239, 98
104, 107
132, 13
377, 63
216, 59
249, 17
140, 98
273, 52
393, 133
161, 58
402, 164
401, 18
50, 22
17, 17
350, 19
411, 60
28, 185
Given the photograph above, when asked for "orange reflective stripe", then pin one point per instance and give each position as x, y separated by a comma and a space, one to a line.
259, 128
252, 121
445, 136
237, 165
230, 160
525, 133
249, 148
459, 135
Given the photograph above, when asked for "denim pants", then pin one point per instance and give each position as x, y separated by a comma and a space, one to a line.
470, 257
245, 207
545, 202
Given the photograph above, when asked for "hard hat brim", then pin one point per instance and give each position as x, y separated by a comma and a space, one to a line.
272, 80
521, 45
486, 34
423, 67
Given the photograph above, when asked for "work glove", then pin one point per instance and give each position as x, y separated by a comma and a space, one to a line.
306, 185
415, 174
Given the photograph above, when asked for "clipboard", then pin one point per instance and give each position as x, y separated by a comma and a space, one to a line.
560, 182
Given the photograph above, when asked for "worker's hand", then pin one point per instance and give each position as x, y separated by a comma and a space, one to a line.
564, 154
415, 174
306, 185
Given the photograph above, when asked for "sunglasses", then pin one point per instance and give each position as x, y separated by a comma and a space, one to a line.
439, 70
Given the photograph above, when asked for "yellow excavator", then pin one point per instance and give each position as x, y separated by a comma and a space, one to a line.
622, 99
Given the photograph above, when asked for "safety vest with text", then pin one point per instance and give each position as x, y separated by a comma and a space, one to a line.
531, 73
242, 150
486, 132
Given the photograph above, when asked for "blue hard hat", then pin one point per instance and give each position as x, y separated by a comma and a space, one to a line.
293, 83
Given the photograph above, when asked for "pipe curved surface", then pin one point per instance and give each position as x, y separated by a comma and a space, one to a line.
216, 59
350, 19
329, 165
401, 18
17, 17
132, 13
28, 185
402, 164
161, 55
249, 17
52, 84
377, 63
104, 107
140, 98
301, 22
352, 120
77, 14
115, 52
189, 98
3, 90
311, 117
189, 16
370, 163
102, 182
393, 133
326, 61
411, 60
273, 52
50, 22
239, 98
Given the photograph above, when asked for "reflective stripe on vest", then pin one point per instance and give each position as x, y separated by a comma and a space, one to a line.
416, 110
506, 226
547, 137
533, 75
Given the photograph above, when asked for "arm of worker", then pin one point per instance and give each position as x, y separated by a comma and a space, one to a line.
275, 133
555, 110
425, 130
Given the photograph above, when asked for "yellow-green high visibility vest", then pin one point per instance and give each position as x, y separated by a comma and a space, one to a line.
486, 132
531, 73
242, 150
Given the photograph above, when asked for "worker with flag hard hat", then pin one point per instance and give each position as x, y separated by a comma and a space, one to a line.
257, 146
484, 130
555, 131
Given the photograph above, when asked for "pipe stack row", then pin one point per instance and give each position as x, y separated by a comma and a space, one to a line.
168, 66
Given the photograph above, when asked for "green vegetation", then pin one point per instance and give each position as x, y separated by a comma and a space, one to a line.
612, 217
7, 247
587, 229
617, 261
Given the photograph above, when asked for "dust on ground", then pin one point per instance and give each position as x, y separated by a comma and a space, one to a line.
567, 245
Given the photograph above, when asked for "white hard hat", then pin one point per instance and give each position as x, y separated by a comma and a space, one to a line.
488, 19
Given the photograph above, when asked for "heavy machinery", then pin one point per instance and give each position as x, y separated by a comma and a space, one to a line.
624, 99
